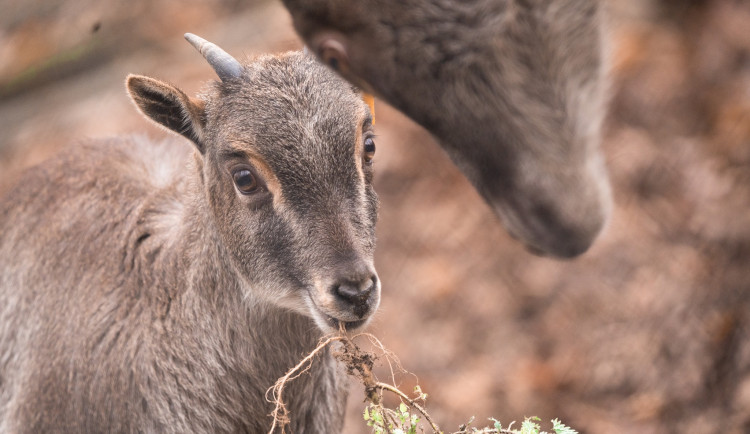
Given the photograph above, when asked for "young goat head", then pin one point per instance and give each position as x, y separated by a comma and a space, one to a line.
513, 91
287, 176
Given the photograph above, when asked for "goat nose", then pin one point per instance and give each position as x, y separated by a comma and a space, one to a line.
356, 291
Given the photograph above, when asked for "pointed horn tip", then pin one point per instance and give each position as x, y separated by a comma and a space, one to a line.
225, 65
195, 40
193, 36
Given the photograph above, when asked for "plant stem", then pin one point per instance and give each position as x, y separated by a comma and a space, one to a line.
413, 403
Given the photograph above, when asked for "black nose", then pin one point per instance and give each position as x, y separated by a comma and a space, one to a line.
355, 289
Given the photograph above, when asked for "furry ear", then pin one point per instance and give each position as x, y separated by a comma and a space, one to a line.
370, 101
169, 106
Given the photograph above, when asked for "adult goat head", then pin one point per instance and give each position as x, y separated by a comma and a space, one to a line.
512, 89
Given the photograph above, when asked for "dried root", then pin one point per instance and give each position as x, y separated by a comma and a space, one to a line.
280, 414
359, 364
405, 419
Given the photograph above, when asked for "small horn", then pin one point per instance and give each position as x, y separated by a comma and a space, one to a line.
226, 66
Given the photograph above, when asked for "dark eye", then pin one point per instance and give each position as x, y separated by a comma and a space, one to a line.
369, 149
333, 53
245, 181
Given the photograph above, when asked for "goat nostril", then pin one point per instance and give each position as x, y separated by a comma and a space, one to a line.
356, 293
536, 250
351, 291
347, 291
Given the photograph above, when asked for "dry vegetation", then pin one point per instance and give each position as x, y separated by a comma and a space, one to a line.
649, 332
408, 417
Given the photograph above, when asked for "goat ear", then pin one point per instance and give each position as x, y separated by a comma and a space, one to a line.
169, 106
369, 99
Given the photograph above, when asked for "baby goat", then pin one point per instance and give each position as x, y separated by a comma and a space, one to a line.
148, 288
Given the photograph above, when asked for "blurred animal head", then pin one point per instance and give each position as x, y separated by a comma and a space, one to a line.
284, 149
512, 90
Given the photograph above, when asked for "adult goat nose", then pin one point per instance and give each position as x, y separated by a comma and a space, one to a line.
356, 289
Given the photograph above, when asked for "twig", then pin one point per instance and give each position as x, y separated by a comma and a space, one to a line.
413, 403
464, 429
485, 431
389, 355
279, 413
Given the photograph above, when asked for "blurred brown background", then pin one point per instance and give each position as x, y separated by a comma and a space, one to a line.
649, 332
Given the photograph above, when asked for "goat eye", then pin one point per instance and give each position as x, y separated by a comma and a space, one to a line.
333, 54
245, 181
369, 149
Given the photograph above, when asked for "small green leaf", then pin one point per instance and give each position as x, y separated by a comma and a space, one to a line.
560, 428
403, 408
529, 426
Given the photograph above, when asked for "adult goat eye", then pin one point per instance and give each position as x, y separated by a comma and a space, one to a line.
245, 181
369, 149
333, 54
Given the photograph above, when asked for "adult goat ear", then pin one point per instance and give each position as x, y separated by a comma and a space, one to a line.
169, 106
369, 99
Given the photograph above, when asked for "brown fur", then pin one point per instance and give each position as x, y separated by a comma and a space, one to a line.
142, 292
512, 89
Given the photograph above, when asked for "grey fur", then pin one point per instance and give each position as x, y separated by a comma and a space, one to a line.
512, 89
142, 292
